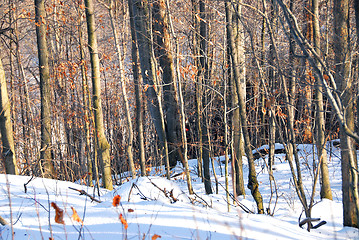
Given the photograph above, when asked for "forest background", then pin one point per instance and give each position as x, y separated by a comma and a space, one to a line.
93, 89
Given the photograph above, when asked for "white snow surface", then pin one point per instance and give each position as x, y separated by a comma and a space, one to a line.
150, 211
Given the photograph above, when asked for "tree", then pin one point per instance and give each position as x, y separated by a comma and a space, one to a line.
203, 75
253, 184
325, 191
344, 83
46, 164
145, 48
124, 92
102, 143
8, 149
238, 32
162, 49
138, 92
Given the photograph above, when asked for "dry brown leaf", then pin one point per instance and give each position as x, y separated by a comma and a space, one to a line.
123, 221
59, 213
154, 237
75, 216
116, 200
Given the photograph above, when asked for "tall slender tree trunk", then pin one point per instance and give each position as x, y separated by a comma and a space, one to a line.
87, 108
272, 78
163, 50
356, 8
344, 83
325, 190
203, 73
138, 93
124, 93
145, 48
102, 143
198, 88
253, 184
238, 34
6, 128
46, 166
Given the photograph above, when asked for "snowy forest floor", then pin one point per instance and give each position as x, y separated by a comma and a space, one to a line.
152, 215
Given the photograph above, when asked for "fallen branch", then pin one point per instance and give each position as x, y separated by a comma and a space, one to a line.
82, 192
168, 194
310, 220
3, 221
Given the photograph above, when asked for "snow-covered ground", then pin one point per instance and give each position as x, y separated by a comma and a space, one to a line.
152, 215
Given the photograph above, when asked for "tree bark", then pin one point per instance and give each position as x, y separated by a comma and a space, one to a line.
145, 48
6, 128
198, 87
162, 41
102, 143
124, 93
344, 83
325, 191
46, 164
138, 93
253, 184
238, 145
203, 73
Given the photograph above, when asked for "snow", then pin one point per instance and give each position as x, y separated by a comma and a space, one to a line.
149, 208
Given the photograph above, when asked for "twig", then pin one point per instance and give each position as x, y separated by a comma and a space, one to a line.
82, 192
202, 200
25, 184
168, 194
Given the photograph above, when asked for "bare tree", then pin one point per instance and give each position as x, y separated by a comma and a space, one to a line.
102, 143
325, 191
46, 164
6, 128
253, 184
145, 47
345, 86
138, 92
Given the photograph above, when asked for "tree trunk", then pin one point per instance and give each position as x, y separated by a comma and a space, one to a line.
145, 48
344, 83
6, 128
238, 34
171, 107
102, 143
46, 166
253, 184
325, 191
198, 88
87, 112
124, 93
203, 73
138, 93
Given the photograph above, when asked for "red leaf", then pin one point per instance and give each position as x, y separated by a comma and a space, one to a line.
116, 200
154, 237
59, 217
123, 221
75, 216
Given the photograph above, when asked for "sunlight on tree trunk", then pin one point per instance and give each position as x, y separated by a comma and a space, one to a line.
46, 164
6, 128
102, 144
